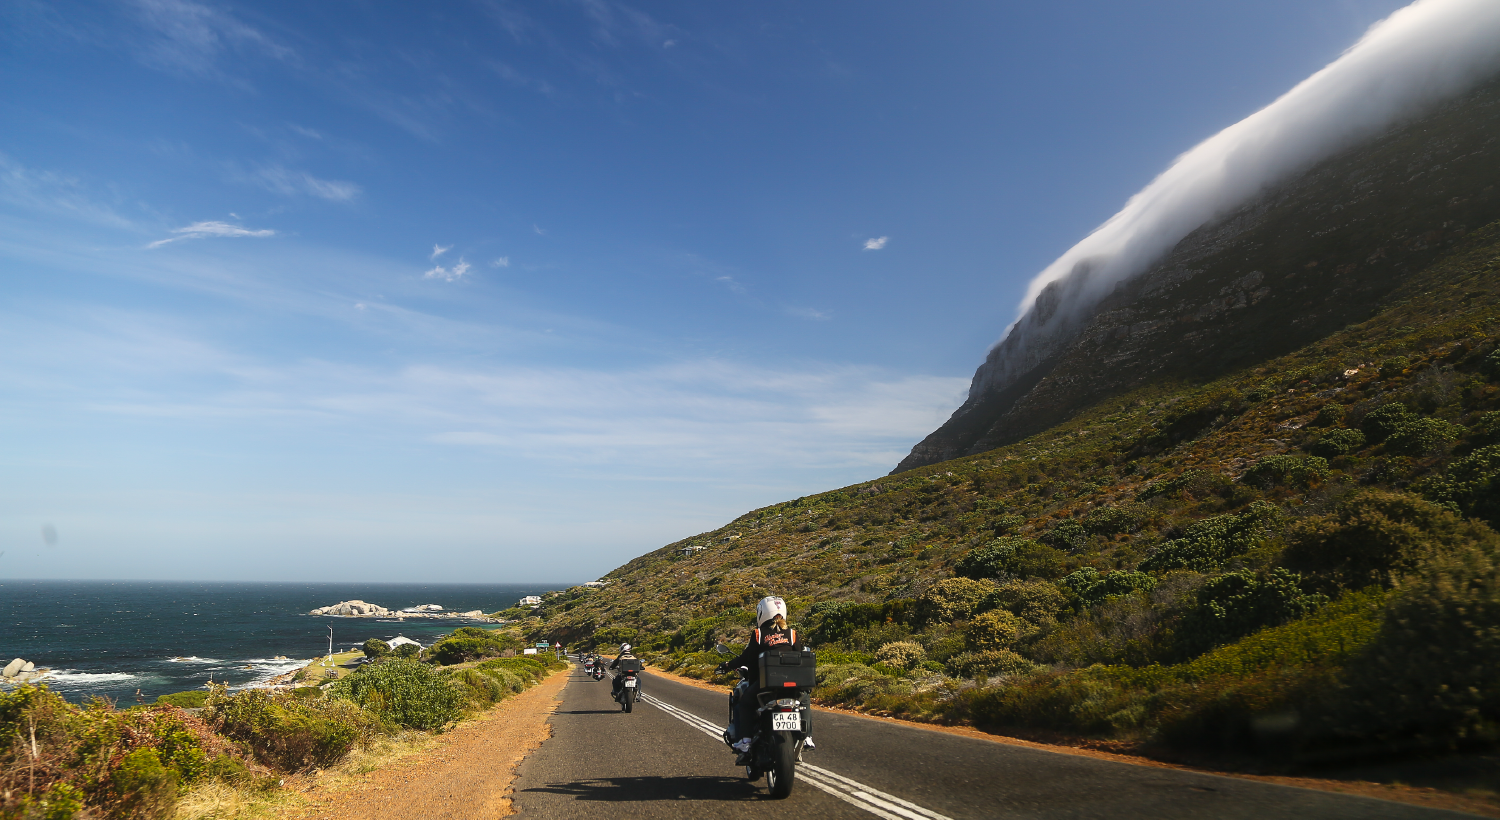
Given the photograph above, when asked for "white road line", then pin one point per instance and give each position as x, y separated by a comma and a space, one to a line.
874, 801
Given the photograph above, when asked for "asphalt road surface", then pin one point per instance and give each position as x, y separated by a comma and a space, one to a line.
665, 760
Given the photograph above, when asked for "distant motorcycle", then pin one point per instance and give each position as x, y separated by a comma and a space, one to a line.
786, 679
598, 668
629, 689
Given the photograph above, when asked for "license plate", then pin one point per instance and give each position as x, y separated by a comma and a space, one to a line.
630, 683
786, 721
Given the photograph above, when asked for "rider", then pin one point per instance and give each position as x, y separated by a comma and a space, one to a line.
619, 682
770, 613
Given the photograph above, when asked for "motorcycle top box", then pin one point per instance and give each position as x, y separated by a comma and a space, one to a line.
785, 668
630, 665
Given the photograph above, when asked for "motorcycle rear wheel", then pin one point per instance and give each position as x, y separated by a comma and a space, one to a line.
783, 771
625, 700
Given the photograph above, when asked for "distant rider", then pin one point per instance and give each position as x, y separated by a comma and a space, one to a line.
619, 681
773, 633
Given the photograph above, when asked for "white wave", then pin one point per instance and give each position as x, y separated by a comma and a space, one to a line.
72, 677
192, 659
1422, 54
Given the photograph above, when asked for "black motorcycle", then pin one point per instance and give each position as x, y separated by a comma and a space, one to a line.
598, 670
628, 689
782, 709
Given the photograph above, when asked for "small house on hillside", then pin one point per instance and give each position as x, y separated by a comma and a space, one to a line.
401, 640
531, 600
689, 551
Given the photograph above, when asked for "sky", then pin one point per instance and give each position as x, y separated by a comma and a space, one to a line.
514, 292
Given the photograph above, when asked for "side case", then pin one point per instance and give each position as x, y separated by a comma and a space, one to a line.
785, 669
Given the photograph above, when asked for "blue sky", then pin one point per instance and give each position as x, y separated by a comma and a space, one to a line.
509, 292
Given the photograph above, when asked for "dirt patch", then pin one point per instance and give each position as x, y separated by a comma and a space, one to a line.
1487, 805
465, 773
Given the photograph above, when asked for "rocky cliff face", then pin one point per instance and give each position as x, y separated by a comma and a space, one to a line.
1291, 266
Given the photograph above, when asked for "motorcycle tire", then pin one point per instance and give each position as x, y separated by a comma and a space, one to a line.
783, 771
625, 701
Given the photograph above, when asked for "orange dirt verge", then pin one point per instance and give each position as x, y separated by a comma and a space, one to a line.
466, 774
1483, 805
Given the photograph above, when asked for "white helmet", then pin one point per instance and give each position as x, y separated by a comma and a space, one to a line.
768, 608
624, 647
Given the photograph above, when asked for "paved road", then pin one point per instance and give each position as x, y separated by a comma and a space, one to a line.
661, 760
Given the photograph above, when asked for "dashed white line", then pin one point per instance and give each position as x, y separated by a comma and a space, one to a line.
874, 801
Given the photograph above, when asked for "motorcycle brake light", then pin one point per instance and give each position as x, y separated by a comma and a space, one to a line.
788, 683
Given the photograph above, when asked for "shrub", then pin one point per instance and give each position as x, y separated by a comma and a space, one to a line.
996, 629
1021, 557
1069, 535
833, 621
403, 692
1417, 436
986, 663
952, 599
291, 733
901, 654
407, 651
1394, 366
470, 643
1207, 544
1114, 519
1092, 587
1290, 470
1485, 430
1196, 483
1036, 601
1471, 485
1380, 423
1376, 537
376, 648
192, 699
145, 787
1236, 604
1329, 415
1338, 442
1428, 681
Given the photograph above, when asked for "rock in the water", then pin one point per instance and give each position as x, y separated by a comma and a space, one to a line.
14, 668
355, 608
29, 667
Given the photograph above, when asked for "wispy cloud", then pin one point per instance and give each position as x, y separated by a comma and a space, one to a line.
452, 274
191, 37
538, 229
439, 250
36, 189
731, 283
501, 262
205, 230
809, 313
289, 182
877, 243
310, 133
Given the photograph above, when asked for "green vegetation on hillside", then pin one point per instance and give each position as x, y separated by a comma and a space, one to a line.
1297, 559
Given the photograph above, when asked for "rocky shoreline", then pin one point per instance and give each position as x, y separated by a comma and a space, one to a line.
363, 609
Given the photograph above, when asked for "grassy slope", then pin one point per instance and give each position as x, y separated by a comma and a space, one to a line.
891, 539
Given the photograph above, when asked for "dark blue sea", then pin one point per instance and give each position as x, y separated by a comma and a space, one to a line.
115, 638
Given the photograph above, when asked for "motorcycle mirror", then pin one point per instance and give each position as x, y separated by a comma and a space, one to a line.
721, 649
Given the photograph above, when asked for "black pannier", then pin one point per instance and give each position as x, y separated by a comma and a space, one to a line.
630, 665
786, 668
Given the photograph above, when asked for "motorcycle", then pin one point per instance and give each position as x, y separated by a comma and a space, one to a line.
598, 669
629, 690
786, 679
588, 666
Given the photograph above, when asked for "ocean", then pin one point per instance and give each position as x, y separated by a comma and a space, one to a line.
134, 640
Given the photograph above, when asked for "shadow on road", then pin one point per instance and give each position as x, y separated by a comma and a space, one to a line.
636, 789
589, 712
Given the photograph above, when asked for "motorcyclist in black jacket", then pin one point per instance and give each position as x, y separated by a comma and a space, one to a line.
773, 633
619, 681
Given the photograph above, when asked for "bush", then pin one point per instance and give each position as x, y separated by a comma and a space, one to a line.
1114, 519
290, 733
1289, 470
375, 648
833, 621
1207, 544
470, 643
192, 699
986, 663
1068, 535
1339, 442
1471, 485
1196, 483
1091, 587
1376, 537
407, 651
1012, 556
1485, 430
1036, 601
901, 654
996, 629
1418, 436
1236, 604
1380, 423
952, 599
1329, 415
145, 787
403, 692
1428, 681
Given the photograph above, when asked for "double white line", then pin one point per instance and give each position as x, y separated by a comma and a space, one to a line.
874, 801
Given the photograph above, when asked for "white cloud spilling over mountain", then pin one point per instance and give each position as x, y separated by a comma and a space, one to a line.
1419, 56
